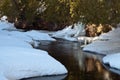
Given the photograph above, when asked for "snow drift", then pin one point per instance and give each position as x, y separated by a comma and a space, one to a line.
19, 60
107, 43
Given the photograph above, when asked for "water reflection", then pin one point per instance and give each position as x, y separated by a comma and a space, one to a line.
80, 65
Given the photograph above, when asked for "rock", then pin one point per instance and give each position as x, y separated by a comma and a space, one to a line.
90, 30
93, 30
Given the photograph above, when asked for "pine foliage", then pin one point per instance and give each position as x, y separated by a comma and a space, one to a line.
60, 13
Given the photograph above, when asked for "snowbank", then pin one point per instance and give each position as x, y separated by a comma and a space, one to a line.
17, 63
6, 25
2, 77
103, 47
112, 60
20, 35
6, 40
58, 77
70, 33
8, 29
108, 43
36, 35
19, 60
86, 40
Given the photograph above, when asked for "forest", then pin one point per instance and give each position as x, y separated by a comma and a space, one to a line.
59, 39
56, 14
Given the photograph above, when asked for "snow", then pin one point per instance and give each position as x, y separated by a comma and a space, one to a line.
70, 33
86, 40
58, 77
19, 59
21, 36
17, 63
11, 41
103, 47
36, 35
107, 43
4, 18
6, 25
112, 60
2, 77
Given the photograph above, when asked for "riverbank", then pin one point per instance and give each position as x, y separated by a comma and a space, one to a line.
108, 44
19, 59
80, 65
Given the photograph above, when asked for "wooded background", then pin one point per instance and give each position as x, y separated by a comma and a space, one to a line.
57, 14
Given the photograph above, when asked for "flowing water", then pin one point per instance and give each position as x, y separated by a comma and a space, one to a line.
80, 65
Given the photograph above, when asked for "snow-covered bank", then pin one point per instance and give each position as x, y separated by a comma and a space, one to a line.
57, 77
108, 43
17, 63
19, 60
103, 47
87, 40
113, 60
70, 33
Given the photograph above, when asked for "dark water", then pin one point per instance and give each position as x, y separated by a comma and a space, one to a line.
80, 65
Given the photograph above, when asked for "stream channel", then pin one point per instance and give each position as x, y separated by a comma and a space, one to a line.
80, 65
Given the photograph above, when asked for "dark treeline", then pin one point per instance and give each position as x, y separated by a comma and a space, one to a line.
56, 14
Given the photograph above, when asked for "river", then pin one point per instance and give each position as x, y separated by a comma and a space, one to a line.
80, 65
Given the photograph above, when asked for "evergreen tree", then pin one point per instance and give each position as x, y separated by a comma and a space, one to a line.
57, 14
22, 12
100, 11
